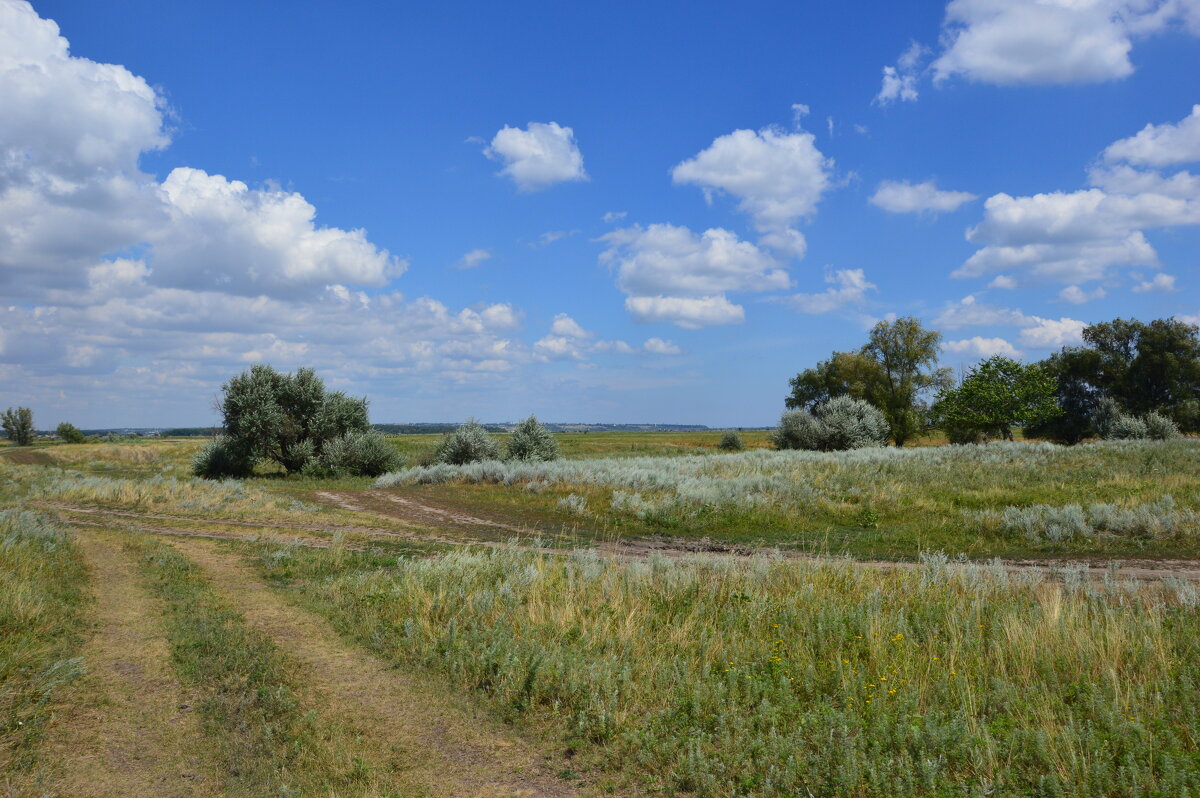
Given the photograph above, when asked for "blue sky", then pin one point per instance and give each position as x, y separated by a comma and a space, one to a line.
612, 212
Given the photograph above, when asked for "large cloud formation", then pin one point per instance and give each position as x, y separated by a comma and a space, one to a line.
1081, 236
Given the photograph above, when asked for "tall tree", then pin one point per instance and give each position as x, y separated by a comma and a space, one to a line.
18, 423
905, 354
896, 370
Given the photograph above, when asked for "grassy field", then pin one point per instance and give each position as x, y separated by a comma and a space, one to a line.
763, 676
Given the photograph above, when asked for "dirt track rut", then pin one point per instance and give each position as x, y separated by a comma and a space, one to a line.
127, 727
448, 747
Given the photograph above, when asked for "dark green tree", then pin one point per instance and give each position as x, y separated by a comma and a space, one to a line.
1145, 367
995, 396
69, 433
18, 423
843, 374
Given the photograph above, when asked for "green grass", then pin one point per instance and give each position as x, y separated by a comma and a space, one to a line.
41, 622
891, 504
268, 743
771, 678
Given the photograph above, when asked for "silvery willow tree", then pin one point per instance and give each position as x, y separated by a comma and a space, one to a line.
18, 423
288, 419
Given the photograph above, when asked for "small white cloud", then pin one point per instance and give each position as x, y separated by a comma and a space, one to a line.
1077, 296
546, 239
904, 197
615, 216
1003, 282
619, 347
473, 259
657, 346
567, 327
1052, 333
981, 347
500, 316
848, 287
540, 156
1163, 283
777, 177
900, 81
1160, 145
557, 347
691, 313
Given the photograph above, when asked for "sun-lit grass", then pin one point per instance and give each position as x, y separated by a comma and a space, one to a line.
41, 603
883, 502
723, 677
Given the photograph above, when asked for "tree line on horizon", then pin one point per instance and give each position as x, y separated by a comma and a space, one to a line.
1127, 379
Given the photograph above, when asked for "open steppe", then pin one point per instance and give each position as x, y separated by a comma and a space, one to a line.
646, 616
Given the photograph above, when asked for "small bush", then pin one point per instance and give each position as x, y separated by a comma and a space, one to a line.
1159, 427
360, 454
1127, 428
731, 442
852, 424
573, 504
220, 458
531, 441
69, 433
839, 424
470, 443
798, 429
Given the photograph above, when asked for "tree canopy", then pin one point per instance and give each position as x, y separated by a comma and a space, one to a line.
996, 395
896, 370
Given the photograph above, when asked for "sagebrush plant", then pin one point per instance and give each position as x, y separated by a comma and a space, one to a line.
363, 454
1150, 520
531, 441
731, 442
841, 423
1160, 427
470, 443
723, 677
220, 458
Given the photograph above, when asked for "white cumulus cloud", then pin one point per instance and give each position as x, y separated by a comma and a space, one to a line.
538, 156
1077, 296
658, 346
691, 313
1163, 283
1010, 42
904, 197
567, 327
981, 347
1160, 145
848, 287
777, 177
900, 81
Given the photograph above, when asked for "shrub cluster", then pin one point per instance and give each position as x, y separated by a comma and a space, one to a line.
1111, 423
470, 443
1156, 519
837, 425
291, 420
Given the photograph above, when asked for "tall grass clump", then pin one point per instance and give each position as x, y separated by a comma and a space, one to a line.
470, 443
837, 425
41, 601
228, 498
531, 441
768, 678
